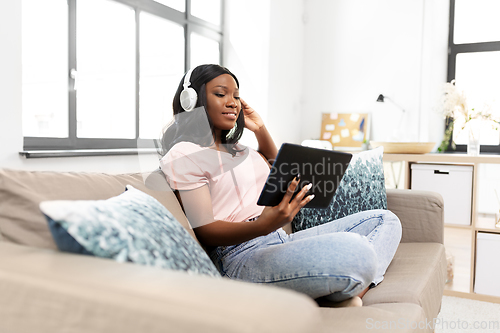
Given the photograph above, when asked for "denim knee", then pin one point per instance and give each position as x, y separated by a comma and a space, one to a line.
358, 257
391, 219
366, 269
360, 270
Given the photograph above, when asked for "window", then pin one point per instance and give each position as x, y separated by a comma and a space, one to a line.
101, 74
474, 55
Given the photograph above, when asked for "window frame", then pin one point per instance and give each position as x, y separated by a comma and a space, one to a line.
453, 51
189, 23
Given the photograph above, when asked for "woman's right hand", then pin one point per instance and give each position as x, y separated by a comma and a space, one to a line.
253, 121
278, 216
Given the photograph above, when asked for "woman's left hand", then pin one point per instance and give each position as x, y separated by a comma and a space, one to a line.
253, 121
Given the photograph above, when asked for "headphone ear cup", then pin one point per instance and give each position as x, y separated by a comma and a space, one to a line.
188, 99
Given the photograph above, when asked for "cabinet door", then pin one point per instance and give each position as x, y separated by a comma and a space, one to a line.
487, 268
453, 182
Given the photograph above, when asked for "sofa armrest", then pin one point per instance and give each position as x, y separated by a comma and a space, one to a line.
50, 291
421, 214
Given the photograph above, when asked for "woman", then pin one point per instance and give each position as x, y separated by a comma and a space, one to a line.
218, 182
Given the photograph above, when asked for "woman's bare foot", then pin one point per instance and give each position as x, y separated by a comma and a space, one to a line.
354, 301
351, 302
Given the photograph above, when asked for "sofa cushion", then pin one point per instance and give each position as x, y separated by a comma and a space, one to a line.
132, 226
47, 291
417, 274
421, 214
22, 191
362, 188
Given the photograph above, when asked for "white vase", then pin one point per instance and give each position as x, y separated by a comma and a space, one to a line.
474, 145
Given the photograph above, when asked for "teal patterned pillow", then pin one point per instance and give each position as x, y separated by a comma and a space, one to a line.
362, 188
132, 226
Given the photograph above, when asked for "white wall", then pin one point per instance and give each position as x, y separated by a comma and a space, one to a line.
286, 60
338, 56
264, 48
10, 83
246, 54
355, 50
434, 68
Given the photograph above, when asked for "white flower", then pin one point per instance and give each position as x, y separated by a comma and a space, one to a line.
454, 101
455, 105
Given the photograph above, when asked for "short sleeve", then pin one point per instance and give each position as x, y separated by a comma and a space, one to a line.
181, 169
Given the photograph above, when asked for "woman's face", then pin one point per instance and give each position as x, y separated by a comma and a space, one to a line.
223, 101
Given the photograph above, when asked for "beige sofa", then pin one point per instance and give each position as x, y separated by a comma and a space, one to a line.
45, 290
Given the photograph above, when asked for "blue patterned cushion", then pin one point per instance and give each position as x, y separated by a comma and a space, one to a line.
361, 189
132, 226
64, 241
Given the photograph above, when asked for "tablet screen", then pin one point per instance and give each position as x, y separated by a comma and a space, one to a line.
323, 168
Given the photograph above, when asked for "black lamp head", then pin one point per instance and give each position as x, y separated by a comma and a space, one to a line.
380, 98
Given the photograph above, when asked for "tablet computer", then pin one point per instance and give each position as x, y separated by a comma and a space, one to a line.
322, 168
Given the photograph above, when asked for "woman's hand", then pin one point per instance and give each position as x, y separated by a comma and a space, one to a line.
253, 121
276, 217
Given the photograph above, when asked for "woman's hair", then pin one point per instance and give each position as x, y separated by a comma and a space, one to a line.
192, 126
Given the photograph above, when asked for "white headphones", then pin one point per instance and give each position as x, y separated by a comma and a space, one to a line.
188, 95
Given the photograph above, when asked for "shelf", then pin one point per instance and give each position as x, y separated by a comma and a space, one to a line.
443, 158
486, 222
458, 226
459, 240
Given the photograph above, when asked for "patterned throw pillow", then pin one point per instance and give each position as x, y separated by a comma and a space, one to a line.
132, 226
362, 188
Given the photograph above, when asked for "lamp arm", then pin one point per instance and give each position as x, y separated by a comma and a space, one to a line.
395, 103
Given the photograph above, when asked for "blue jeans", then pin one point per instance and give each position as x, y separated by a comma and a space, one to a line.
336, 260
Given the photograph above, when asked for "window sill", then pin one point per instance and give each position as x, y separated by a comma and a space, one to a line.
85, 152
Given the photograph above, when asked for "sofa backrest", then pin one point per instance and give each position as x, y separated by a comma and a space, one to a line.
21, 192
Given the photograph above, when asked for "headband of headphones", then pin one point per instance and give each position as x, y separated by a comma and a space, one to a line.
187, 77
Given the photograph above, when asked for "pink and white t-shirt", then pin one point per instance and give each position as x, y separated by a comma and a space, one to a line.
235, 182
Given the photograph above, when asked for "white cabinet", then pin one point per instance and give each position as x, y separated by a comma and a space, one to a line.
453, 182
487, 269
